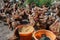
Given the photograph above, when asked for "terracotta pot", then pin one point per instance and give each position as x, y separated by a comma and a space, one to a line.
49, 34
26, 36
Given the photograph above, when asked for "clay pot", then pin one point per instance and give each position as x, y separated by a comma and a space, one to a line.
48, 33
26, 36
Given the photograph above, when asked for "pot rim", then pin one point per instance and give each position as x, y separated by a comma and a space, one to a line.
41, 30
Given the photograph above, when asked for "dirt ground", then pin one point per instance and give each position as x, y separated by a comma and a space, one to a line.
5, 33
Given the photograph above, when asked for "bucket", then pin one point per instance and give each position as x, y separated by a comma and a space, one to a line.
26, 35
37, 34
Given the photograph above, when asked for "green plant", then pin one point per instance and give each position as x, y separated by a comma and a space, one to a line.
39, 2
